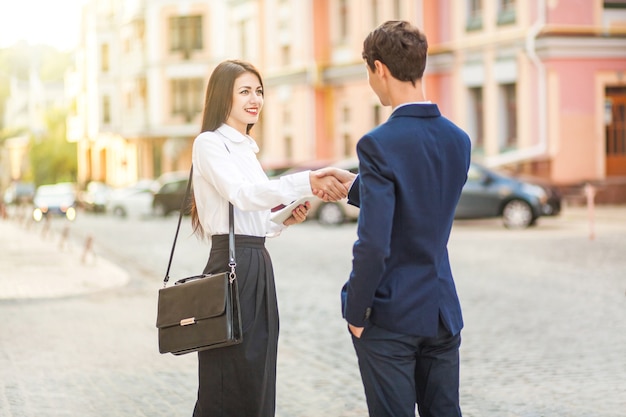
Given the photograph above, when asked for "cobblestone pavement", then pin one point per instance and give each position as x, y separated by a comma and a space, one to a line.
545, 335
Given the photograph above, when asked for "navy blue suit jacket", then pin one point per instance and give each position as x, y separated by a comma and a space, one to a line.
411, 172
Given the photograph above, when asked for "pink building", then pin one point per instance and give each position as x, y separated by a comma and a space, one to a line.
540, 85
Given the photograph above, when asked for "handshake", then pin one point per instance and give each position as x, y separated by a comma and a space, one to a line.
331, 184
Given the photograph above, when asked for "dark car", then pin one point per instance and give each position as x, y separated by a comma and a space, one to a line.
55, 200
555, 196
488, 193
170, 193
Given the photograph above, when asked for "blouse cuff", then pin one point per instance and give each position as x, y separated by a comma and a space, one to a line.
302, 183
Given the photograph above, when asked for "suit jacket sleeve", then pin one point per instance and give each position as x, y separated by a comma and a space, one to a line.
376, 196
354, 197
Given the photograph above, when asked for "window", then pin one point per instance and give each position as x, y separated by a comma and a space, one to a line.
288, 148
477, 127
343, 19
377, 115
474, 15
106, 110
142, 88
185, 34
508, 119
375, 18
187, 96
346, 115
243, 38
506, 12
397, 9
347, 145
104, 57
285, 54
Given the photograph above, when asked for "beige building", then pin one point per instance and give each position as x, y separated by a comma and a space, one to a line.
539, 84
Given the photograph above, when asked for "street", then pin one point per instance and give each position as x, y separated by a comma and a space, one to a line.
544, 309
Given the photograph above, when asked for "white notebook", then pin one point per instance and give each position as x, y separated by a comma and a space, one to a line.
283, 214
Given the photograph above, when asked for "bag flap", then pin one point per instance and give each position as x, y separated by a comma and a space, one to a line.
199, 299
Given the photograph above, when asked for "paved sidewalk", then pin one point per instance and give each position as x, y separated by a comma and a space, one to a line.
544, 310
37, 262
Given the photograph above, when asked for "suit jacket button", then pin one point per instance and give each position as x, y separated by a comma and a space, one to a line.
368, 312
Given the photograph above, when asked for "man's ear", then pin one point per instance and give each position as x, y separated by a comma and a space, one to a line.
380, 69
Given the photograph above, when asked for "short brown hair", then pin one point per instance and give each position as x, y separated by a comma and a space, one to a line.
399, 45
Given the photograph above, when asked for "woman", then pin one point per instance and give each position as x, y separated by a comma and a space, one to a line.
240, 380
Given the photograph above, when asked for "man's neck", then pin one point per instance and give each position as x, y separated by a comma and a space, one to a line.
402, 92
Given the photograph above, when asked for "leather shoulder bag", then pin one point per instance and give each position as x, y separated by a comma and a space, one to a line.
200, 312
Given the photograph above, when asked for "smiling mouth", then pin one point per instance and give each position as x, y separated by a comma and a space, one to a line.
253, 112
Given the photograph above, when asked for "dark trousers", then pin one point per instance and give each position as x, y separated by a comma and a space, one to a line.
240, 380
400, 371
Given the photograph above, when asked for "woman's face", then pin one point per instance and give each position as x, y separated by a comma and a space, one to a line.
247, 102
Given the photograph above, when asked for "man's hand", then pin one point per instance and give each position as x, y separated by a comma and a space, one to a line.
327, 185
356, 331
298, 215
345, 177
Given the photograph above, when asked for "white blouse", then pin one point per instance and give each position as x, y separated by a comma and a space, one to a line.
225, 168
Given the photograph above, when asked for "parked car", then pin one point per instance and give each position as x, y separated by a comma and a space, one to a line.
19, 193
171, 191
95, 196
555, 195
55, 200
133, 201
488, 193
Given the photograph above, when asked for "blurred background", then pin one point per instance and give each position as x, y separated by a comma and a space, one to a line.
108, 94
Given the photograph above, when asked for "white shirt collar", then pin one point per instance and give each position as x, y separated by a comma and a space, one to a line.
235, 136
412, 102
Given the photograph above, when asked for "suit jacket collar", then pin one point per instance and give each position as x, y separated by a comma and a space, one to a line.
416, 110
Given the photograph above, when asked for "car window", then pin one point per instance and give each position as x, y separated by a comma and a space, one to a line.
173, 187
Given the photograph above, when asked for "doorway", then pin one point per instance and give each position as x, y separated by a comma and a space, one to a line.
615, 128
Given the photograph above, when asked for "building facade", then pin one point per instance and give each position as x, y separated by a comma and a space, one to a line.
539, 84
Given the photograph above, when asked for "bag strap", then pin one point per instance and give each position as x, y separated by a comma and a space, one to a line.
231, 235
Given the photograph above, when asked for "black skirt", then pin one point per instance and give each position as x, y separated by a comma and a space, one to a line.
240, 380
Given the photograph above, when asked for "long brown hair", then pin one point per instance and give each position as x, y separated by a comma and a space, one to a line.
218, 102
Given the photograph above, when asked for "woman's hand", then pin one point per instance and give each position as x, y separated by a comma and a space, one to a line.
345, 177
329, 183
298, 215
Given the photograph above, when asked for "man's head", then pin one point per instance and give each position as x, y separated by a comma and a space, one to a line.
399, 45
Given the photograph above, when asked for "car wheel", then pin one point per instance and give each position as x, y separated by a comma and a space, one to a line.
517, 214
119, 211
159, 210
330, 214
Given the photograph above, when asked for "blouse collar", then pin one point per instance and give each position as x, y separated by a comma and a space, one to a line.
235, 136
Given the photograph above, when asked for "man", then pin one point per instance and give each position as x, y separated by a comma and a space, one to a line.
400, 301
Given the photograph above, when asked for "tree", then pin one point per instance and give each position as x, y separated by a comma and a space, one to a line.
53, 159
